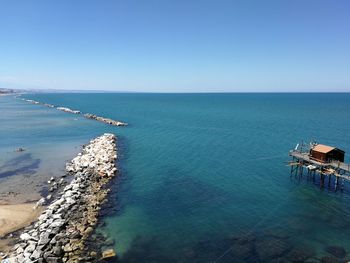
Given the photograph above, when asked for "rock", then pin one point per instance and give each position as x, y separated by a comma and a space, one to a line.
268, 249
29, 249
44, 239
47, 255
75, 186
41, 202
61, 230
68, 110
70, 201
243, 239
53, 260
88, 230
57, 250
67, 248
300, 254
105, 120
109, 242
19, 250
57, 223
109, 253
242, 251
68, 193
25, 236
330, 259
20, 149
36, 255
336, 251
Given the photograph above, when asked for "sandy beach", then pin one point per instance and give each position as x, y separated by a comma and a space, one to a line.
16, 216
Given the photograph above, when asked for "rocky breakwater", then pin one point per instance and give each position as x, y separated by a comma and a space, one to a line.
60, 233
86, 115
31, 101
68, 110
105, 120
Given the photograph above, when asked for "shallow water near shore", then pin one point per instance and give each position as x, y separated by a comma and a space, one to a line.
203, 176
48, 138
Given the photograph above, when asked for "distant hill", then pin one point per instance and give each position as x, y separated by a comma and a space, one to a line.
7, 91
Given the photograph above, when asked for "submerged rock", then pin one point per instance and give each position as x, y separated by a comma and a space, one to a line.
109, 253
336, 251
20, 149
41, 202
300, 254
330, 259
268, 249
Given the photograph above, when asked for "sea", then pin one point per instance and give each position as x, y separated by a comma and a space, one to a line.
203, 177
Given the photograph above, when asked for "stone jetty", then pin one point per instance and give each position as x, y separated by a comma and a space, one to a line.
86, 115
49, 105
68, 110
105, 120
32, 101
62, 229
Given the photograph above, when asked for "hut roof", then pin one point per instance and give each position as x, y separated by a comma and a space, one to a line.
323, 148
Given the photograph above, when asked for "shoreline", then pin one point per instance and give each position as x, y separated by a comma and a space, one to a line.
16, 216
60, 233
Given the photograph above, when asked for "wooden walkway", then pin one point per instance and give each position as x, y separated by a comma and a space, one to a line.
306, 157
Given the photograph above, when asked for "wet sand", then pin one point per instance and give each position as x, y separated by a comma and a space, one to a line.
14, 217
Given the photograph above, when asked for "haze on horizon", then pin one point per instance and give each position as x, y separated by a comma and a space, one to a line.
176, 45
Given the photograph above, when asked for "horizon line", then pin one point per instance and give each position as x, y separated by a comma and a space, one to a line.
189, 92
29, 90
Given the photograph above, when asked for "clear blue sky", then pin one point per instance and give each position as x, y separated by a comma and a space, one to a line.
178, 45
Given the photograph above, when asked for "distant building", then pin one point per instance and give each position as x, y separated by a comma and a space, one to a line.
325, 154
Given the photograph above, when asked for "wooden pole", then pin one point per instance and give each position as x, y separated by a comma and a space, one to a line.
336, 183
322, 180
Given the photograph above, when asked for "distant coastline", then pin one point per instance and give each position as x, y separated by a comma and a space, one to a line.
82, 91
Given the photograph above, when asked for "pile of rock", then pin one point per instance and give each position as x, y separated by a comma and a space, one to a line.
36, 102
32, 101
68, 110
48, 105
105, 120
60, 233
87, 115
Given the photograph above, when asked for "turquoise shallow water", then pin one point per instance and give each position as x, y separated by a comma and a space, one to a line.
49, 138
204, 176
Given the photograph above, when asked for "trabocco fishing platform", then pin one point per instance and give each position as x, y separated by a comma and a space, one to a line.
324, 161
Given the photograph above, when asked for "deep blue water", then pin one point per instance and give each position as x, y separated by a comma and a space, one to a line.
204, 176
